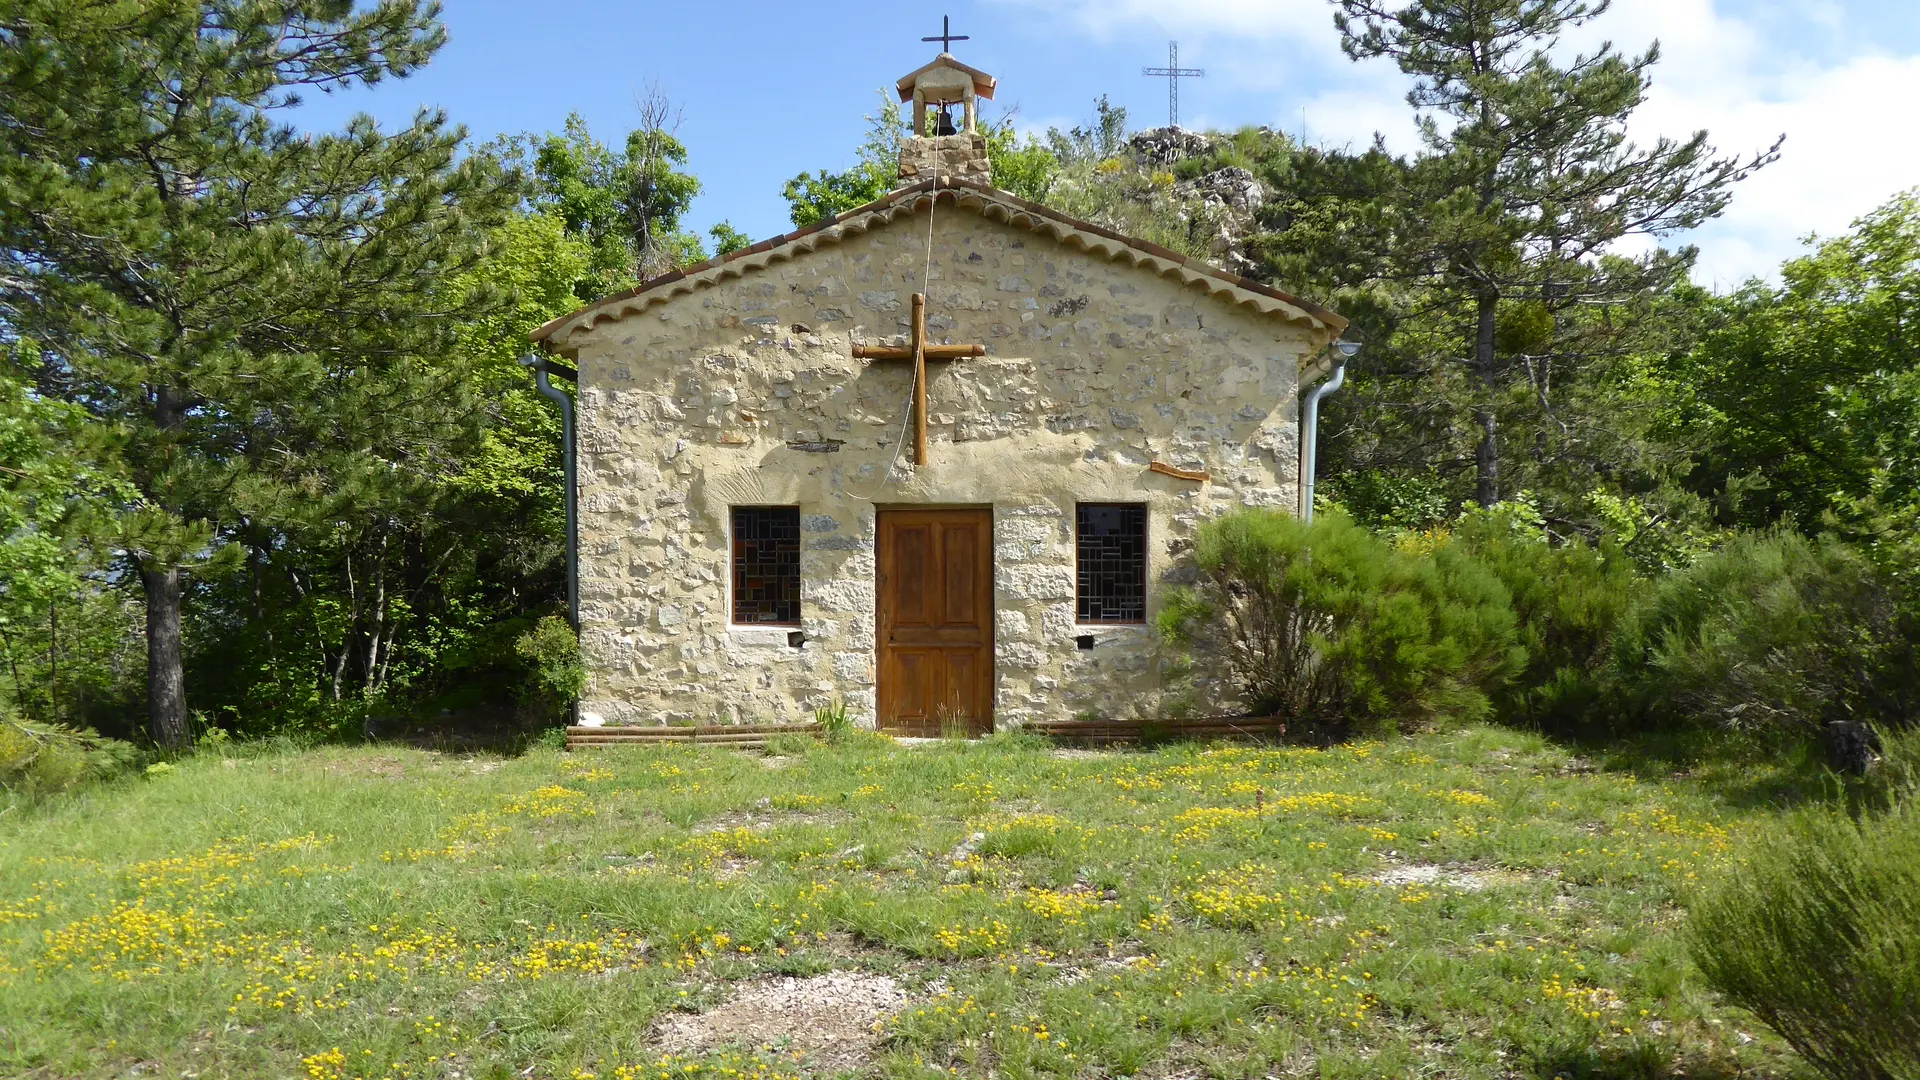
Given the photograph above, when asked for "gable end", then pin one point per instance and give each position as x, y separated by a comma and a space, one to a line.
990, 203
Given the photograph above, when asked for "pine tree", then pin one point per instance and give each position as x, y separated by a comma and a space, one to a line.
1511, 216
259, 312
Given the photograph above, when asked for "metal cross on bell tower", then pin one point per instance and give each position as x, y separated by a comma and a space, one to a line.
946, 37
1173, 73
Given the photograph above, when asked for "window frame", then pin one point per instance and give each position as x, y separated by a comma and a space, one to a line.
736, 565
1080, 576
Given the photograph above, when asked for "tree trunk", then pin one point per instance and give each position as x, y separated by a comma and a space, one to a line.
6, 646
1486, 458
53, 660
166, 673
346, 637
375, 639
166, 680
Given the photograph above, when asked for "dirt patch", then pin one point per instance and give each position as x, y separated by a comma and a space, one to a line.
830, 1018
1451, 877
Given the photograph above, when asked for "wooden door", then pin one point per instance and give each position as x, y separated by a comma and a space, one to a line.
935, 620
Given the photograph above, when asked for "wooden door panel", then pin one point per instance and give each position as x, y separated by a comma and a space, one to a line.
959, 558
935, 614
913, 672
913, 550
966, 676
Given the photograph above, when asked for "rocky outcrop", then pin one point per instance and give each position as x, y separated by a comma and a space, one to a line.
1166, 145
1233, 189
1219, 204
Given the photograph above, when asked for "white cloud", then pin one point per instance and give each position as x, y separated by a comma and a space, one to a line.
1849, 145
1746, 80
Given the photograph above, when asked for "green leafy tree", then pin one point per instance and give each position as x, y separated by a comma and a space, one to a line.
1024, 166
627, 204
243, 302
339, 625
1802, 401
60, 494
815, 197
727, 239
1504, 230
577, 180
658, 193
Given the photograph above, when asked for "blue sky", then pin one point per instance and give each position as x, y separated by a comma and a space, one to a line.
770, 89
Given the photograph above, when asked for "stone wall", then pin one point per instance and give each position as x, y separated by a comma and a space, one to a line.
745, 393
961, 157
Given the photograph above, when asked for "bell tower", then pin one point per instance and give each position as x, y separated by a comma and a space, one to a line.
941, 144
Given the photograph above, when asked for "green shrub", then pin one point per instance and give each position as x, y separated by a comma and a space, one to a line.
1333, 630
1818, 933
1385, 501
41, 759
1569, 601
1773, 634
555, 673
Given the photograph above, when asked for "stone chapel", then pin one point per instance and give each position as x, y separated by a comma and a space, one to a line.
937, 458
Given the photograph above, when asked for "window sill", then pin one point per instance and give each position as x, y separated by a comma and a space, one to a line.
768, 634
1093, 635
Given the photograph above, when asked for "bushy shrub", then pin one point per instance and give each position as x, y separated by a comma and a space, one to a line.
41, 759
1335, 631
1385, 501
1773, 634
555, 673
1818, 933
1569, 600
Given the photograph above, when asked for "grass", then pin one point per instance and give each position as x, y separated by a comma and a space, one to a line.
1467, 904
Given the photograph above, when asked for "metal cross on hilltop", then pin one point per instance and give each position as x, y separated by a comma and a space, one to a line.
1174, 73
946, 37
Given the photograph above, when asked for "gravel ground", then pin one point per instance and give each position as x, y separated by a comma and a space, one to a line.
830, 1018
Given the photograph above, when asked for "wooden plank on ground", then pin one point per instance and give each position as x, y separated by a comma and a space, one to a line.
1113, 732
738, 736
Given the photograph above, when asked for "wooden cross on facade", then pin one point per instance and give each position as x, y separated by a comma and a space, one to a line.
919, 352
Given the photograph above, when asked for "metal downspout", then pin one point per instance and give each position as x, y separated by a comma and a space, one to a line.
1310, 436
542, 367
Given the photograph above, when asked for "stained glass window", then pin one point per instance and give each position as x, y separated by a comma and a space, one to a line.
766, 564
1112, 556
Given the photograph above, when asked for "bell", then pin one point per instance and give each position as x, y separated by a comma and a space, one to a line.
944, 126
